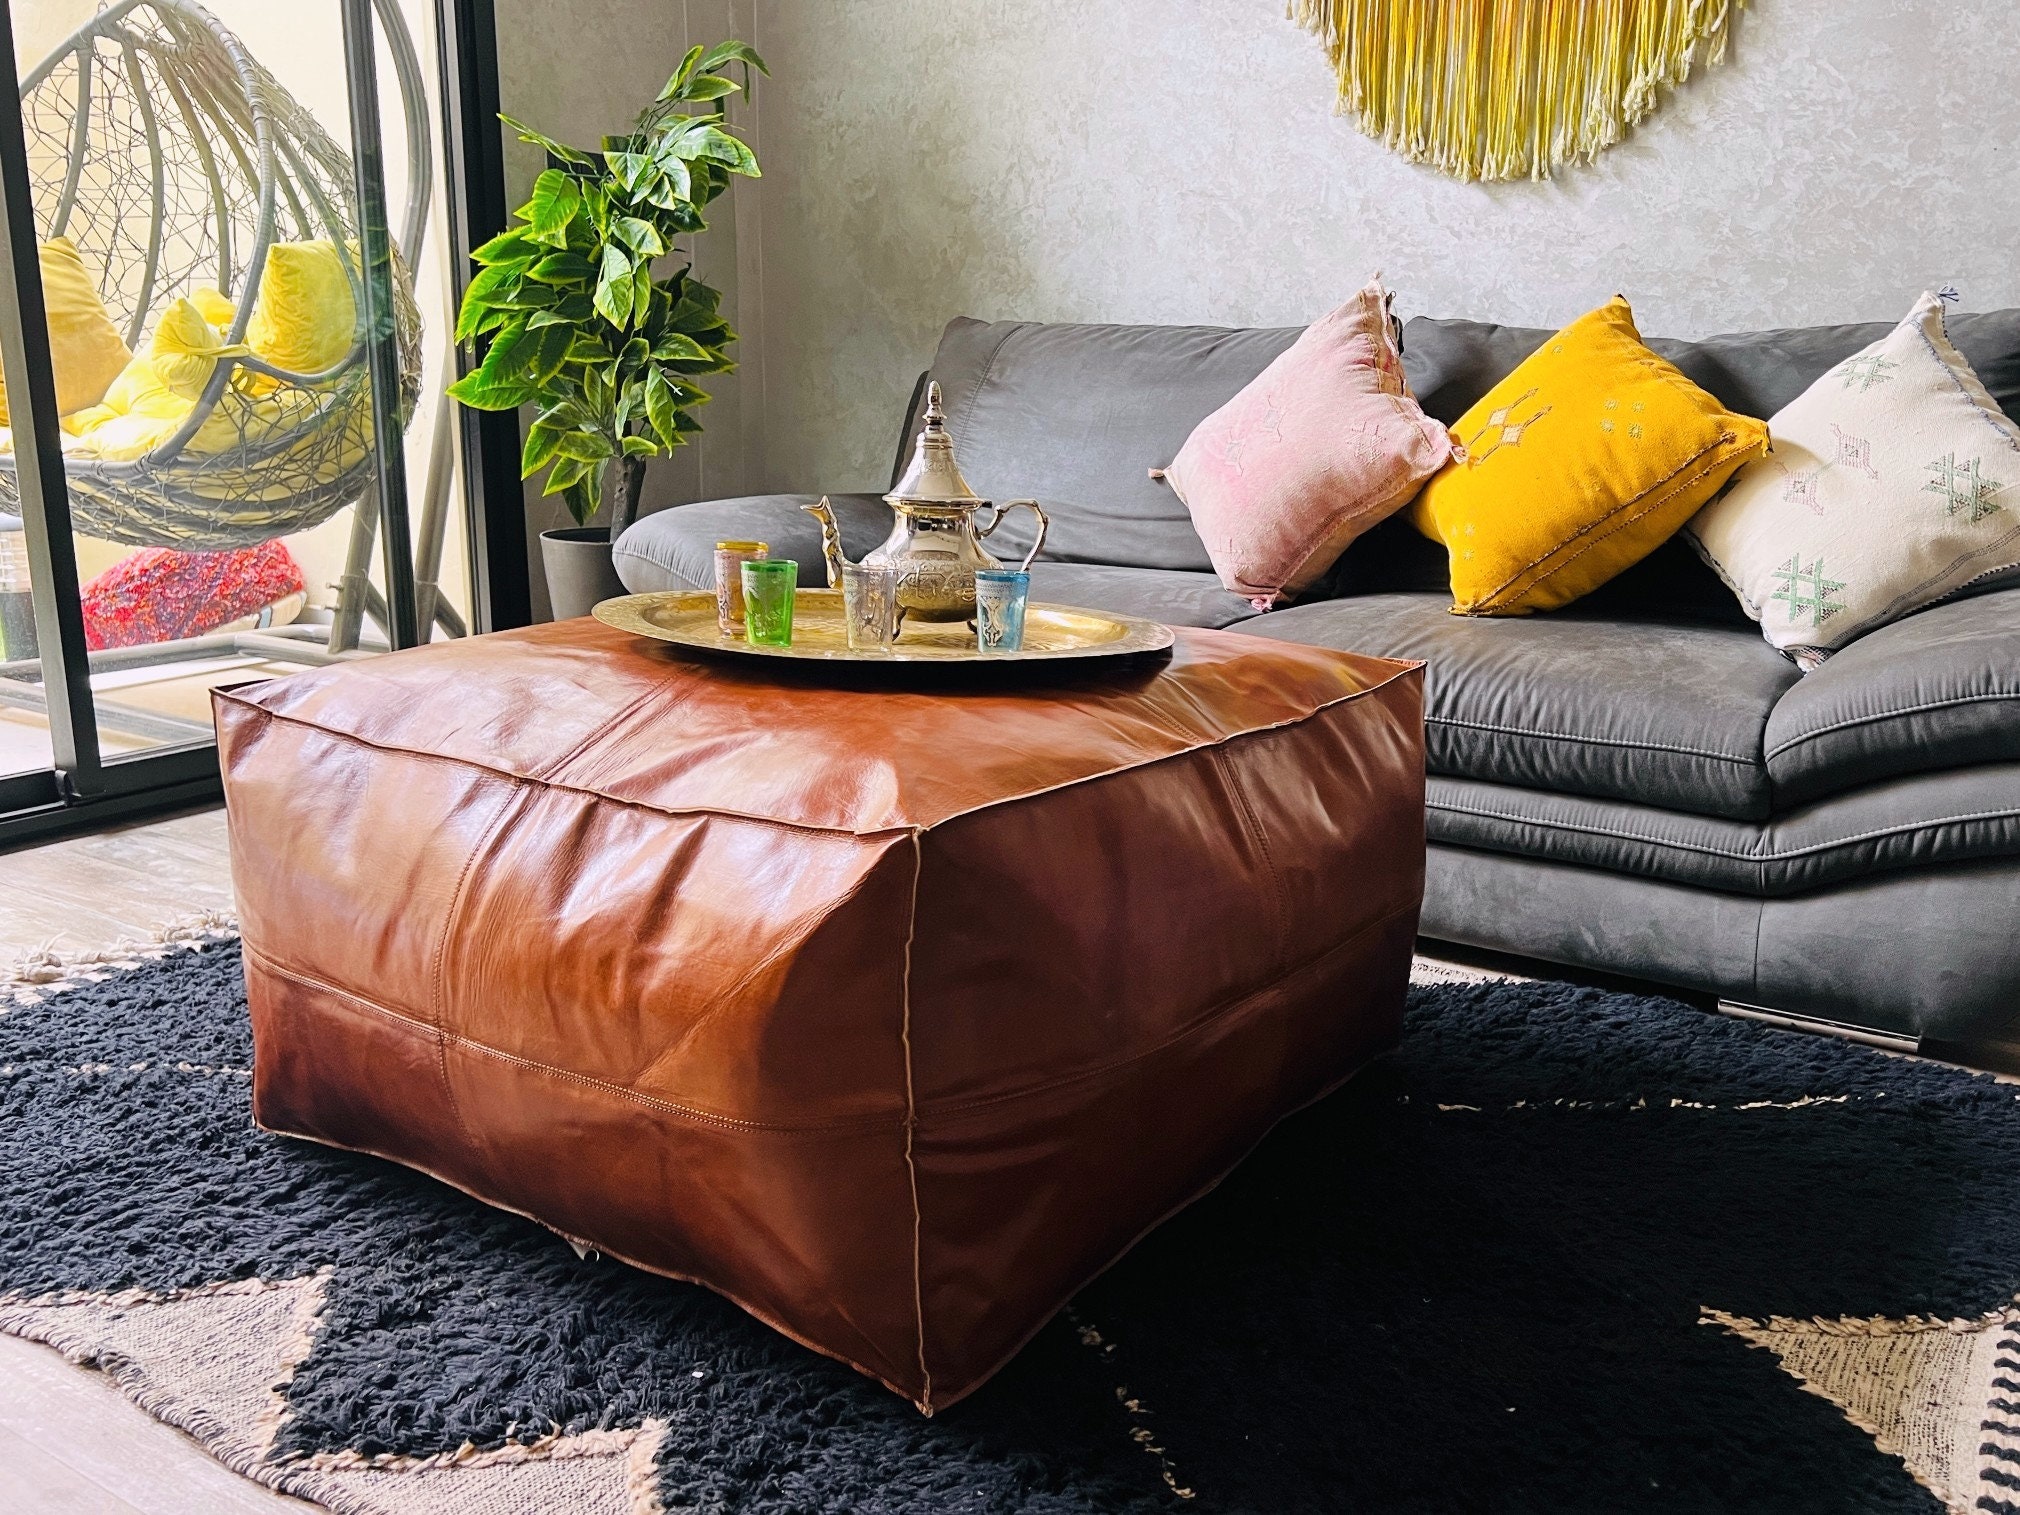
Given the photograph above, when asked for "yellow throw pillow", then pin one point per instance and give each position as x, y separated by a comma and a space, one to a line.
213, 307
155, 393
1580, 463
305, 318
86, 351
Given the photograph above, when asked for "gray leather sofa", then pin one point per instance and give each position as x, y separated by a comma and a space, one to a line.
1637, 784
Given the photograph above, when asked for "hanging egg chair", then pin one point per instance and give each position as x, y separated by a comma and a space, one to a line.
175, 165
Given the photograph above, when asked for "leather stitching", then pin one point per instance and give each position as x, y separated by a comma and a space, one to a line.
653, 1101
1888, 715
1239, 792
912, 1129
1206, 1021
1671, 485
1592, 741
437, 994
1710, 851
1403, 670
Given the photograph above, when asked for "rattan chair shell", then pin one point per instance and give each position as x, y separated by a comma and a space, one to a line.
171, 159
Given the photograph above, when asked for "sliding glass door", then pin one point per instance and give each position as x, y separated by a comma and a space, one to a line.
234, 236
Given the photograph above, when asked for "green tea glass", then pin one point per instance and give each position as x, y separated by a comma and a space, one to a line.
768, 587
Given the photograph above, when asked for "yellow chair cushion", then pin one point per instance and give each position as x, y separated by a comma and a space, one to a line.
1580, 463
213, 307
86, 351
305, 318
155, 393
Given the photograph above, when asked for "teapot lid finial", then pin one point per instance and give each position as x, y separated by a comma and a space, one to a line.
934, 477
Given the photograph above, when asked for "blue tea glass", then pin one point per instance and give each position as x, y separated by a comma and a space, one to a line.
1000, 597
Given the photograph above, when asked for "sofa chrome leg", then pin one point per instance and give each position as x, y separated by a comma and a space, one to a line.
1788, 1020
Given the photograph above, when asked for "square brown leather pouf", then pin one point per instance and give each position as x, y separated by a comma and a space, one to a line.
893, 1012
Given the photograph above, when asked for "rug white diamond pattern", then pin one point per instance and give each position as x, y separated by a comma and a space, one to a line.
215, 1362
1941, 1395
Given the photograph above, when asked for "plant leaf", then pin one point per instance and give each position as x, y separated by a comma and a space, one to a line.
492, 286
641, 296
555, 201
670, 190
674, 345
565, 473
586, 446
641, 447
681, 74
542, 441
629, 168
708, 87
560, 150
499, 382
507, 247
563, 268
716, 145
642, 237
550, 352
614, 287
728, 52
660, 408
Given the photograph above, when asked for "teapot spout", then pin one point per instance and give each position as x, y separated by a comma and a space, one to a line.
831, 539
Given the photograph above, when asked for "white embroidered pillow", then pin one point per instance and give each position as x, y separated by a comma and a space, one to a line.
1892, 481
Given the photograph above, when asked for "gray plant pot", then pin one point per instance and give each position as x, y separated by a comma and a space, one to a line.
579, 571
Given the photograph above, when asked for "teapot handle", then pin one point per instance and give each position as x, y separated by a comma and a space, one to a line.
997, 512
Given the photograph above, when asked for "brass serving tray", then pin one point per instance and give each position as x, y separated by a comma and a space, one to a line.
686, 618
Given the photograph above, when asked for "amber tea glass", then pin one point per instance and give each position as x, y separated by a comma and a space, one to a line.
729, 560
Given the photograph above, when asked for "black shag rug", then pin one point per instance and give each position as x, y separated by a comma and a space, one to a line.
1534, 1261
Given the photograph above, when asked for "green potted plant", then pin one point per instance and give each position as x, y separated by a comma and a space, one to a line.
576, 321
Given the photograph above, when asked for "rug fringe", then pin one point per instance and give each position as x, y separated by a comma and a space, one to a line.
46, 970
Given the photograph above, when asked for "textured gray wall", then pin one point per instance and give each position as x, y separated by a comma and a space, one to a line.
1177, 160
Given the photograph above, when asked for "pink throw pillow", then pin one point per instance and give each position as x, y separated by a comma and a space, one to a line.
1322, 445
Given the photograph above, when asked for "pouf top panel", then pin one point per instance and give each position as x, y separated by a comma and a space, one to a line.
579, 705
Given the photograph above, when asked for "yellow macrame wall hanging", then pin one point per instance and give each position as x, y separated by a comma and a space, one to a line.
1510, 89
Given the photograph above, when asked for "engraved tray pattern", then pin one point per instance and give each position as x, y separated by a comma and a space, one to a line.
686, 618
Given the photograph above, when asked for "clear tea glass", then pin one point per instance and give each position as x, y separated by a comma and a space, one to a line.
729, 560
1000, 597
768, 587
870, 604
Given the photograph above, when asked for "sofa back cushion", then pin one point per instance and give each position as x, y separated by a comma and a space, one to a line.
1079, 415
1451, 364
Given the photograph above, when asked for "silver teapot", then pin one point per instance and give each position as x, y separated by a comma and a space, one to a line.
934, 543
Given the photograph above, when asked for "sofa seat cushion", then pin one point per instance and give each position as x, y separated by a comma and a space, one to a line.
674, 549
1911, 822
1156, 594
1935, 690
1663, 713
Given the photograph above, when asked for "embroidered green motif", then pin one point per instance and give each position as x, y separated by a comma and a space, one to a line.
1865, 371
1963, 486
1806, 591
